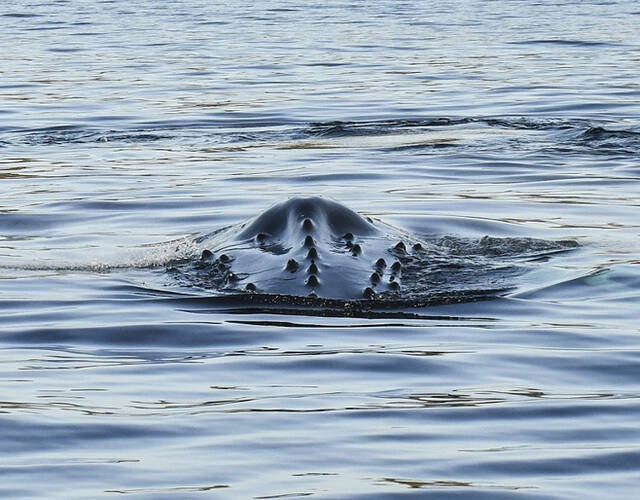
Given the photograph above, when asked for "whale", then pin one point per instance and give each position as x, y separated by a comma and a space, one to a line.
311, 246
317, 248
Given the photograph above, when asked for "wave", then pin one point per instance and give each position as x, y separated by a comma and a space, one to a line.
566, 43
398, 134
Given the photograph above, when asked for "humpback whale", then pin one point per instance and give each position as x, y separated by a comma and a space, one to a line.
310, 247
317, 248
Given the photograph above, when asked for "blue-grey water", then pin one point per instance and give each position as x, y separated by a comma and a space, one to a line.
129, 130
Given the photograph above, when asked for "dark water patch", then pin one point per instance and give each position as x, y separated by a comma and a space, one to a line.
203, 130
176, 334
198, 73
51, 435
600, 138
320, 324
569, 464
527, 123
327, 64
416, 148
17, 86
213, 23
411, 135
291, 305
65, 50
123, 206
599, 133
169, 490
52, 129
20, 223
132, 137
566, 43
91, 33
594, 139
283, 9
112, 118
444, 485
364, 128
64, 134
538, 412
46, 28
21, 15
83, 135
451, 489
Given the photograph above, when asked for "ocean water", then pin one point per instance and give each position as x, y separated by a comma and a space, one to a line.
131, 130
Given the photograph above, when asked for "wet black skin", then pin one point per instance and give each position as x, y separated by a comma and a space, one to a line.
309, 246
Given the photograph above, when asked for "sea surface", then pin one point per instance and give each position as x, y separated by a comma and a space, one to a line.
129, 130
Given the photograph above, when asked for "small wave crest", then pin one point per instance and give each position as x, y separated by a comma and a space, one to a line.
82, 135
604, 140
150, 256
391, 135
246, 131
445, 270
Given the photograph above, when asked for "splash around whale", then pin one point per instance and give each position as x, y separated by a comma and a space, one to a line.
316, 250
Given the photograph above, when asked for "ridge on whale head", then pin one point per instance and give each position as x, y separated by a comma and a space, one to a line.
312, 215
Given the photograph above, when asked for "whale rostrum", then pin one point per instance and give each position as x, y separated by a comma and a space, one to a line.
316, 247
307, 246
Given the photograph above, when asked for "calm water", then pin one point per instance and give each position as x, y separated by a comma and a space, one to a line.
130, 129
